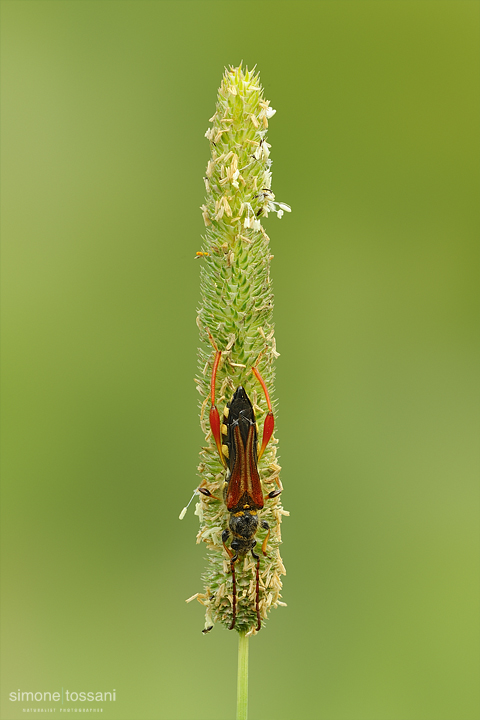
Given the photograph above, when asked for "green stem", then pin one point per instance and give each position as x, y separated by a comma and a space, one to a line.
242, 678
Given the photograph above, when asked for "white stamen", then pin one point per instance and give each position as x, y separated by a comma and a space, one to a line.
184, 511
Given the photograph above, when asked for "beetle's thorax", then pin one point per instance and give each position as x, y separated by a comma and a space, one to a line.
243, 526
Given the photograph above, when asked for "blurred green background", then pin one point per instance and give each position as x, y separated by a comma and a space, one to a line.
375, 146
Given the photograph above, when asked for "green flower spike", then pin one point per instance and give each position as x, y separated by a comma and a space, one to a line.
235, 317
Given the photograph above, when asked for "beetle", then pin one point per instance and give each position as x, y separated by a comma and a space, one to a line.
236, 441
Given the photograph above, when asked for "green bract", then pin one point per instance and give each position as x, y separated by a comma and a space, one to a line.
236, 308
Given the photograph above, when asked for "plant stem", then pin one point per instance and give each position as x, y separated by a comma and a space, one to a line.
242, 678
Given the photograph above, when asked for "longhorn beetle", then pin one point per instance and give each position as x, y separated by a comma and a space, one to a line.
236, 441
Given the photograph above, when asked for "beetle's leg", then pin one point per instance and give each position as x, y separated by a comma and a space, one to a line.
207, 493
233, 559
257, 591
269, 422
225, 536
234, 591
265, 526
273, 494
214, 416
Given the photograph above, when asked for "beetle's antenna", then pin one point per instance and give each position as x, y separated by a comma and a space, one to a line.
269, 422
214, 417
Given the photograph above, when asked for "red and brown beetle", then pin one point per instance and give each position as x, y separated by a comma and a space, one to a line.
236, 441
